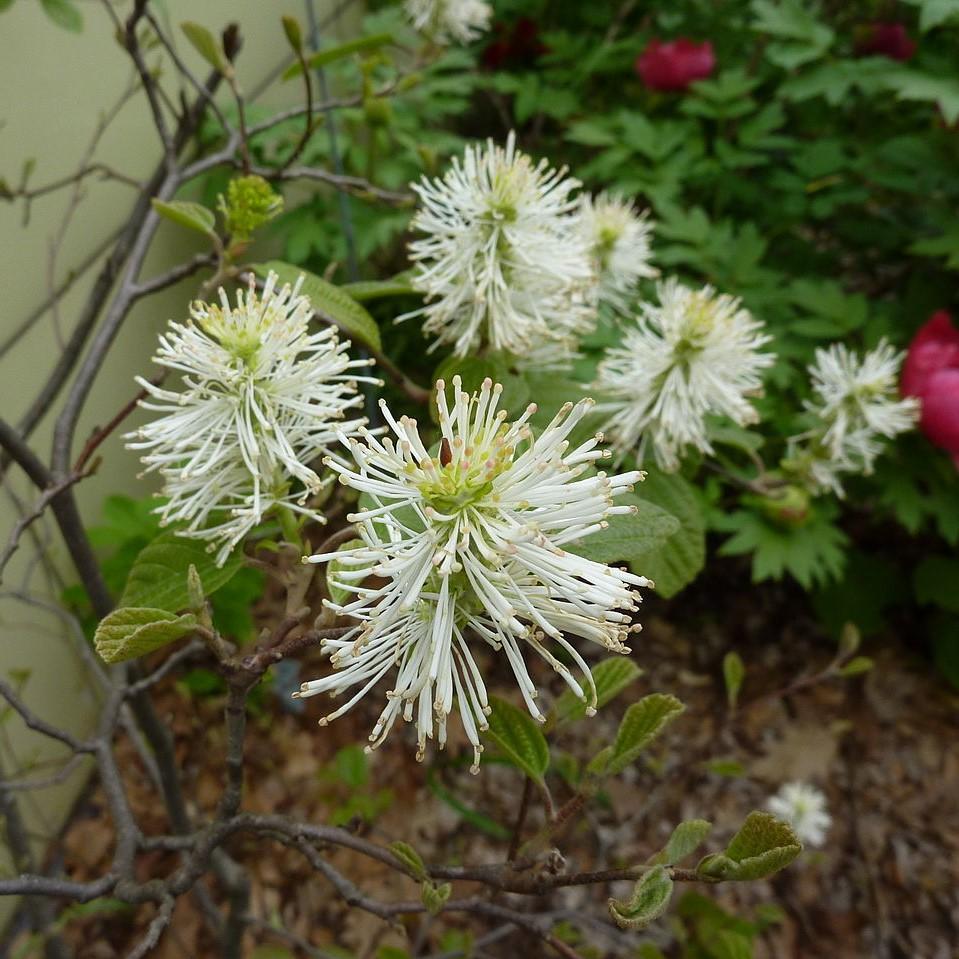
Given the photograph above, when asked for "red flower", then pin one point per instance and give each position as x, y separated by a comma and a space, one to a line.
931, 372
675, 65
886, 40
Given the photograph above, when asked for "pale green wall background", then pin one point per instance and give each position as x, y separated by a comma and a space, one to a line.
54, 87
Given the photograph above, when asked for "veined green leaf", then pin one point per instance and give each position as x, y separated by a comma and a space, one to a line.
611, 677
650, 898
519, 737
641, 724
329, 301
194, 216
763, 846
135, 631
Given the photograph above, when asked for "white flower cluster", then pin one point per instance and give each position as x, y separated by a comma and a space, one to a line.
445, 21
261, 398
691, 355
856, 407
619, 241
503, 262
467, 547
805, 809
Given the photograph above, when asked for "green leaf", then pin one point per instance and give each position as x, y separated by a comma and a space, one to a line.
409, 859
763, 846
365, 290
205, 44
641, 724
331, 54
472, 370
341, 593
352, 768
857, 666
194, 216
934, 13
649, 901
64, 14
731, 944
610, 677
800, 37
135, 631
911, 84
629, 538
734, 672
330, 302
685, 840
159, 574
936, 581
676, 562
518, 735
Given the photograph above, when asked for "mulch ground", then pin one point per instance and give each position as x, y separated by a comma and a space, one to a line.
882, 746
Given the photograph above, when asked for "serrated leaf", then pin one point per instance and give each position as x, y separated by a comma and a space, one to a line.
135, 631
63, 13
734, 672
159, 575
410, 859
641, 724
611, 677
194, 216
629, 538
519, 737
205, 44
763, 846
331, 54
329, 301
649, 901
685, 840
677, 561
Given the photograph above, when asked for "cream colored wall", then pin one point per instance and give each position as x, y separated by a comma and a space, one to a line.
54, 87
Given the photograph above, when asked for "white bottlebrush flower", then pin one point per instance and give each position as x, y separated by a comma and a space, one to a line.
805, 809
619, 241
459, 21
856, 407
692, 355
468, 548
502, 262
261, 399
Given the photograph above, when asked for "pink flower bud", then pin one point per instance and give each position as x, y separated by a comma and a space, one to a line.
675, 65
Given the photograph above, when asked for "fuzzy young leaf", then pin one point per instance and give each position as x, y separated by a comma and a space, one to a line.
410, 860
611, 677
650, 898
194, 216
763, 846
641, 724
734, 672
135, 631
518, 735
685, 840
434, 896
330, 302
205, 44
159, 575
